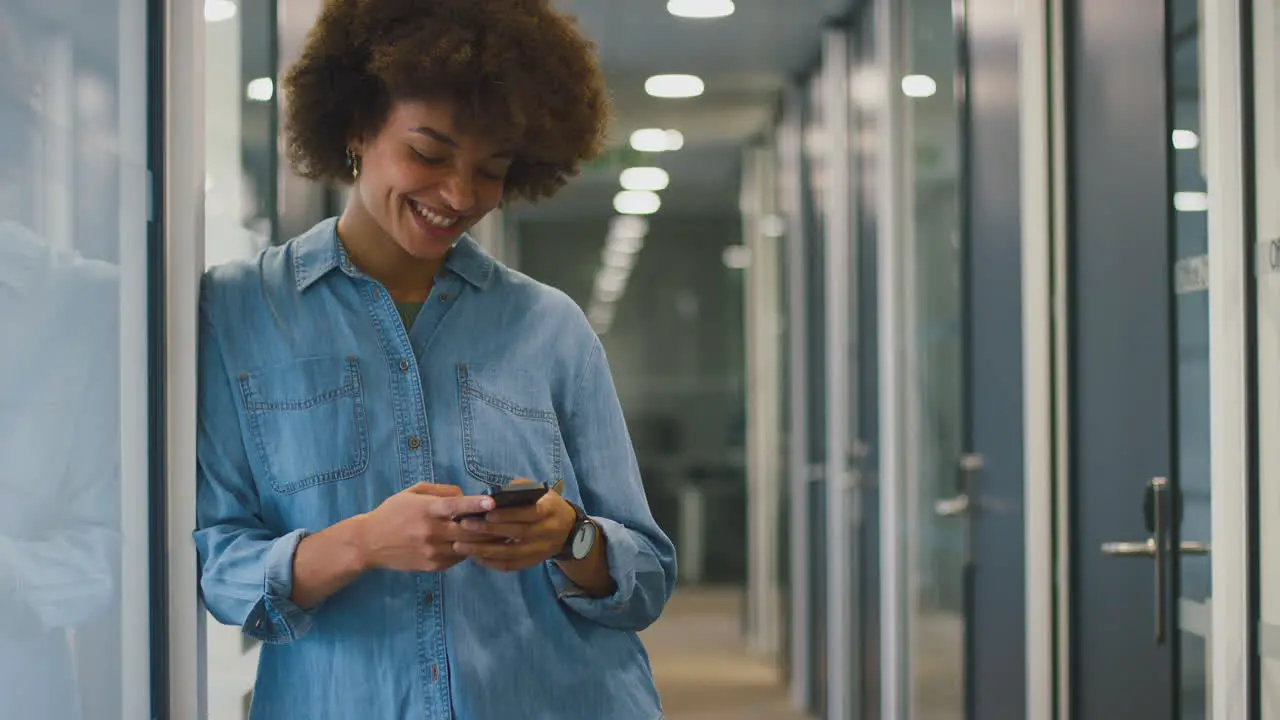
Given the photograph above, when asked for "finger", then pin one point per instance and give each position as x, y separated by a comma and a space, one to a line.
447, 508
434, 490
542, 531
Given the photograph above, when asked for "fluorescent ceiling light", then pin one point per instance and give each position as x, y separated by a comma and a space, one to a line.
700, 8
674, 86
261, 89
636, 202
645, 178
219, 10
1191, 201
919, 86
657, 140
619, 258
736, 257
1185, 140
612, 280
628, 226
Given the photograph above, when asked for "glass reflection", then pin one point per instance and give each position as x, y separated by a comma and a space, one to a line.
71, 179
935, 346
1191, 369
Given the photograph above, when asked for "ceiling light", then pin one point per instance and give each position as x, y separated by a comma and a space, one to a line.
700, 8
645, 178
636, 202
656, 140
736, 257
1185, 140
919, 86
219, 10
619, 258
628, 226
1191, 201
261, 89
674, 86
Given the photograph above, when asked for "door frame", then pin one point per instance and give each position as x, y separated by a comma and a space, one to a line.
1229, 649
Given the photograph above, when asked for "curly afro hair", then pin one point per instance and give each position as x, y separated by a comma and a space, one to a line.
518, 71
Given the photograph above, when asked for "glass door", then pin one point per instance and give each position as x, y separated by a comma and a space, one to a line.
937, 512
1190, 248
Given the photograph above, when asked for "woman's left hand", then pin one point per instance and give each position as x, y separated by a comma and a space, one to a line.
536, 534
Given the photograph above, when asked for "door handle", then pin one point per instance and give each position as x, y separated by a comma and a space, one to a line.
957, 506
961, 505
1148, 549
1156, 548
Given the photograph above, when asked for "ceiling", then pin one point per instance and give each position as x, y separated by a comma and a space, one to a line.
745, 60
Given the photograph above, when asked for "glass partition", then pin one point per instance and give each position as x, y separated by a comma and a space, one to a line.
932, 229
75, 269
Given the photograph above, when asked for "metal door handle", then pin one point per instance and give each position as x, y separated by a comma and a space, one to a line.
957, 506
1148, 549
1155, 547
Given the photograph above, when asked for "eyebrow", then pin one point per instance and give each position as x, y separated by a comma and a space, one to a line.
444, 138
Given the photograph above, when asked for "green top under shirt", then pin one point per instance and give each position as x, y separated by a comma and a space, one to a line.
409, 313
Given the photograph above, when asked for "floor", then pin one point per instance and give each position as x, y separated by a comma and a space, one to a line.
702, 667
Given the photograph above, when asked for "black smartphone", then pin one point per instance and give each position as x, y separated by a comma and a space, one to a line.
509, 496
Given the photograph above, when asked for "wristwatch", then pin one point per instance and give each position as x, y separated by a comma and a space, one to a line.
582, 538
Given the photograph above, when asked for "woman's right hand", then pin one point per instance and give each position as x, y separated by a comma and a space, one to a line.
414, 530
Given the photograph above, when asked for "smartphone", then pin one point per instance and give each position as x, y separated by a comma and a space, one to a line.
509, 496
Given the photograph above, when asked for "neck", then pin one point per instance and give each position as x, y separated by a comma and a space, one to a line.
379, 256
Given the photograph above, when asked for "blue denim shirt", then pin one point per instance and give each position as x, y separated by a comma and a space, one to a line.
317, 405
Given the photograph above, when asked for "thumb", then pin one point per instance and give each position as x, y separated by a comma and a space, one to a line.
434, 490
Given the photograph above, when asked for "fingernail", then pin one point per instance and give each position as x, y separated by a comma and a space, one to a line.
486, 504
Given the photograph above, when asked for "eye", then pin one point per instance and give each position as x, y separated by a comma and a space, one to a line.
433, 161
496, 176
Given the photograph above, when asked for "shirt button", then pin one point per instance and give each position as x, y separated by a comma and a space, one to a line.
414, 443
444, 297
435, 673
404, 366
428, 598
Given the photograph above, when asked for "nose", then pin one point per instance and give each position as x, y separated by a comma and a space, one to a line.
459, 191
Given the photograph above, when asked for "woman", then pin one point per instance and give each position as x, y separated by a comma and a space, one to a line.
367, 382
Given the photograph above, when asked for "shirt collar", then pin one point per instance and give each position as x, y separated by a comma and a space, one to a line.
319, 251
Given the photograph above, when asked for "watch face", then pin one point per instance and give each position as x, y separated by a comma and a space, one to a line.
584, 540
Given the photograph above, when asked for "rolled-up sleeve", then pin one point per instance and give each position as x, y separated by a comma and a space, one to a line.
246, 569
641, 557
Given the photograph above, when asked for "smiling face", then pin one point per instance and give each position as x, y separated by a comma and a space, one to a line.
424, 181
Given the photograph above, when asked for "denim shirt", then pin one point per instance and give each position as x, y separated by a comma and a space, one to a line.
316, 405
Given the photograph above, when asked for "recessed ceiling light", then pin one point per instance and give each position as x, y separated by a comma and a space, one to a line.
1191, 201
1185, 140
674, 86
919, 86
645, 178
636, 202
261, 89
219, 10
700, 8
657, 140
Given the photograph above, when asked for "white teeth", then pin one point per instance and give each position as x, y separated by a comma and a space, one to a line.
433, 218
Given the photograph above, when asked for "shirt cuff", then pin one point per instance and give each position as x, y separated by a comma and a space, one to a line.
276, 618
622, 555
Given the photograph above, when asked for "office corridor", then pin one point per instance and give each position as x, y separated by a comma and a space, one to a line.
702, 666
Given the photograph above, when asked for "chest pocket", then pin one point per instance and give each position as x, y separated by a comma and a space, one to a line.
509, 429
307, 420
